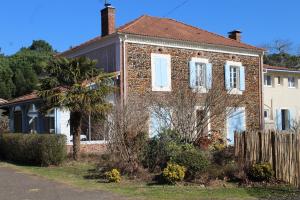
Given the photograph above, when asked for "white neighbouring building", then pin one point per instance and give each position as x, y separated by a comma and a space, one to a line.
281, 93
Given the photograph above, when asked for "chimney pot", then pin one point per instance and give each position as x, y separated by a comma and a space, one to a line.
235, 35
108, 20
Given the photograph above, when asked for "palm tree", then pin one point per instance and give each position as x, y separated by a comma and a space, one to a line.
78, 86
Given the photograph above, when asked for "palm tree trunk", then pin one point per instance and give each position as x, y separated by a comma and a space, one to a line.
75, 122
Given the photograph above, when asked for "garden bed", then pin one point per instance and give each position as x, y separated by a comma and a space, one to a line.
82, 175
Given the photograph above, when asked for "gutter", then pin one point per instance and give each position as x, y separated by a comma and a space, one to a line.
282, 70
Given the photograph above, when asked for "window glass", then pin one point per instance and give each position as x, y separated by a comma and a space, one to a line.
267, 80
279, 80
49, 122
200, 74
266, 114
32, 118
291, 82
234, 77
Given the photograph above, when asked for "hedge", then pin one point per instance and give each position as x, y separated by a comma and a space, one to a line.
33, 149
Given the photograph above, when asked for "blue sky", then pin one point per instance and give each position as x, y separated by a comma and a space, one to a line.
65, 23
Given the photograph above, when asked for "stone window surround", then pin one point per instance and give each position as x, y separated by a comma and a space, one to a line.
205, 61
235, 91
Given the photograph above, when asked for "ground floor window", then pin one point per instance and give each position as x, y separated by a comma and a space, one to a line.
17, 119
93, 129
49, 122
160, 119
236, 121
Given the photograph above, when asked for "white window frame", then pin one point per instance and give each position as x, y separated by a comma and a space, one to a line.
266, 80
289, 82
204, 61
237, 90
168, 88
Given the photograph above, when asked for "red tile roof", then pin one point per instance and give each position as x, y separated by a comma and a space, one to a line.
170, 29
27, 97
279, 68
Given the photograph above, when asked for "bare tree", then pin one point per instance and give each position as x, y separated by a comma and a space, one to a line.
127, 131
191, 112
279, 46
295, 126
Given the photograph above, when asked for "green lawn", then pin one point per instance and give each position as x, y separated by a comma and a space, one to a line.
80, 175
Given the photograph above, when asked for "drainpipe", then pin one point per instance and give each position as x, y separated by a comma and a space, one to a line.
123, 40
262, 120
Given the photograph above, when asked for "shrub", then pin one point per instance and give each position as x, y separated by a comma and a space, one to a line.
193, 159
160, 149
35, 149
113, 176
223, 156
261, 172
173, 173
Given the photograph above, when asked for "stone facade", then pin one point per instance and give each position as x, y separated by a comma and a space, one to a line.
138, 81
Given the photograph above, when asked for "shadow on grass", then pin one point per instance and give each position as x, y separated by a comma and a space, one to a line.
283, 192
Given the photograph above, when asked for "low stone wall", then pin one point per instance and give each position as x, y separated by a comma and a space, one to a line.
89, 148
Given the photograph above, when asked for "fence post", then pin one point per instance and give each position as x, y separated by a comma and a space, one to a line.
273, 142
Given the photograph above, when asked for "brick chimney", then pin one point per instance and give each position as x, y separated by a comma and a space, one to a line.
108, 20
235, 35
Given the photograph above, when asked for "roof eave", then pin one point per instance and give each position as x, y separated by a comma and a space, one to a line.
257, 51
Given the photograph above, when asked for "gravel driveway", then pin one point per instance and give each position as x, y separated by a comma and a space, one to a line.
18, 186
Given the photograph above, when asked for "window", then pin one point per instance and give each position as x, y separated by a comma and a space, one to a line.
236, 121
32, 116
161, 72
268, 80
49, 122
234, 77
279, 80
160, 119
200, 74
202, 121
291, 82
266, 114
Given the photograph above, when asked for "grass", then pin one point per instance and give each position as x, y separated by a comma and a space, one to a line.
78, 175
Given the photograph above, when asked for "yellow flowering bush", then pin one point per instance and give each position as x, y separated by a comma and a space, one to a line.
174, 173
113, 176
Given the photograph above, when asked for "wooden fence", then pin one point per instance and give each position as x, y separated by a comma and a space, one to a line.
281, 150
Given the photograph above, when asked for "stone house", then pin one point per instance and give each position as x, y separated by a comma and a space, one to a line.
153, 54
281, 97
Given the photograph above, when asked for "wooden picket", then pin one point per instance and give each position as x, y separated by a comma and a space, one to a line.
280, 149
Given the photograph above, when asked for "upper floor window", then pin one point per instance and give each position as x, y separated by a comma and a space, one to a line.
267, 80
266, 114
161, 72
278, 80
291, 82
200, 74
235, 76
